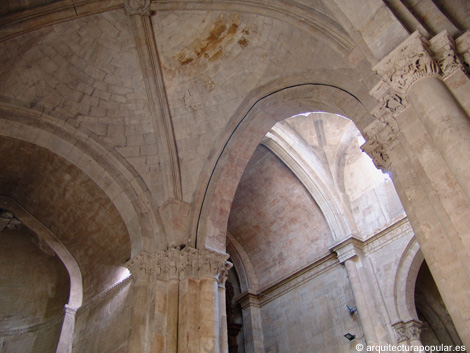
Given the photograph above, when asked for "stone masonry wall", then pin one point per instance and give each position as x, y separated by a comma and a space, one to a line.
103, 325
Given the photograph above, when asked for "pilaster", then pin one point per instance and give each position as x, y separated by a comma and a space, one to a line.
252, 323
351, 253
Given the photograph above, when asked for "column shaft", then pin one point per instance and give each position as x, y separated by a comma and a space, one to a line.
440, 217
447, 124
223, 333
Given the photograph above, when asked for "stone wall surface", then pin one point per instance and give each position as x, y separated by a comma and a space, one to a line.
153, 95
103, 324
281, 218
312, 316
34, 291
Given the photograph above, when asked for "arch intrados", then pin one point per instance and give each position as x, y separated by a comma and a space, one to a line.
75, 275
241, 262
405, 281
243, 133
83, 151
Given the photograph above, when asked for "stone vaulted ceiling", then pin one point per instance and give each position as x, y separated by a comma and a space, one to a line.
71, 206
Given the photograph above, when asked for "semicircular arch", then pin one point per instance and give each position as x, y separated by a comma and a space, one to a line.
404, 289
118, 181
244, 132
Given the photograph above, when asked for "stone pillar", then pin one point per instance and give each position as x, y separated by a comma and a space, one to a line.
421, 136
350, 254
68, 327
252, 326
176, 302
141, 268
171, 336
199, 325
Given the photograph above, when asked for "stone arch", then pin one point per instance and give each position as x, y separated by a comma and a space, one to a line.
106, 168
405, 280
244, 132
76, 285
242, 264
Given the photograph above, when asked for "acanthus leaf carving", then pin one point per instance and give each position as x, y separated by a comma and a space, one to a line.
445, 53
382, 138
400, 332
408, 63
179, 264
407, 331
413, 330
462, 45
223, 275
141, 267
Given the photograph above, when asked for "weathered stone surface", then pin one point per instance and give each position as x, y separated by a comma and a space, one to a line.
126, 127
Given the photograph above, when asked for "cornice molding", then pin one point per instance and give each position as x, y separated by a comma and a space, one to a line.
33, 328
296, 279
104, 295
348, 248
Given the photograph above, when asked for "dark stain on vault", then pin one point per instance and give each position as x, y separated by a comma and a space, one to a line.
223, 32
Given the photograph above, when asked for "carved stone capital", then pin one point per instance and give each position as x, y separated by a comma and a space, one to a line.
141, 267
137, 7
180, 264
400, 331
213, 264
409, 62
407, 331
462, 44
223, 275
413, 330
445, 53
381, 136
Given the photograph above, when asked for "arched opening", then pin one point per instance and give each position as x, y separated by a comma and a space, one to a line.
35, 288
67, 215
437, 327
243, 134
306, 186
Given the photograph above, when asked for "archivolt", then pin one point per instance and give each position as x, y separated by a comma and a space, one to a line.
243, 133
112, 174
